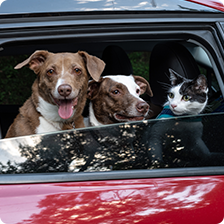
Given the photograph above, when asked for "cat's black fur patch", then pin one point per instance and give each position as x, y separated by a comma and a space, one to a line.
193, 88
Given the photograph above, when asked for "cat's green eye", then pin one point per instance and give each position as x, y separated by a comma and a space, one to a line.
171, 95
186, 98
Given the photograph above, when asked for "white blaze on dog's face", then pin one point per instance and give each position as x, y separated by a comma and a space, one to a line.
63, 77
129, 82
116, 98
63, 80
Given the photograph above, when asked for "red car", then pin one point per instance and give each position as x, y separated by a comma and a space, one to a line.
108, 174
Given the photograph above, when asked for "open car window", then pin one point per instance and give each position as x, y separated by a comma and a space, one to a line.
185, 141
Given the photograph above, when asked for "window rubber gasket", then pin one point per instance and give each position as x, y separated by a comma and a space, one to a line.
111, 175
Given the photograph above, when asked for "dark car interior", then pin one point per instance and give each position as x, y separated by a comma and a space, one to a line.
164, 55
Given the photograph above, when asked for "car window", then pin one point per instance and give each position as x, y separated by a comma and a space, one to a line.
185, 141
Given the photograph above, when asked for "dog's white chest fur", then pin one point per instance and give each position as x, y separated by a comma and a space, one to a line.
50, 121
91, 120
45, 126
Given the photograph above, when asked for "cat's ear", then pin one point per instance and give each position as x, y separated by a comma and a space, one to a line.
201, 83
175, 78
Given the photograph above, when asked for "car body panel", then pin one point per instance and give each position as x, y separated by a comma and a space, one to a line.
158, 200
183, 195
216, 4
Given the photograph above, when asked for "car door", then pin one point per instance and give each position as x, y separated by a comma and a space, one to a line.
106, 174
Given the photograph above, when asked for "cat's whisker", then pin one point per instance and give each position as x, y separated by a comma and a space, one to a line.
209, 108
168, 76
165, 86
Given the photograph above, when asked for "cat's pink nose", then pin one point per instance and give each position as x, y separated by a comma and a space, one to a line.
173, 105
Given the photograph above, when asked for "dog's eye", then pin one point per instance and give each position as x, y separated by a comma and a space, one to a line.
50, 72
115, 92
138, 91
77, 71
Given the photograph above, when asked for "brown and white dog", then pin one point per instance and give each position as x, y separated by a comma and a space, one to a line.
58, 93
116, 98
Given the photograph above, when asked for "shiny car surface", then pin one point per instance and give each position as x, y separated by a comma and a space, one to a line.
108, 174
159, 200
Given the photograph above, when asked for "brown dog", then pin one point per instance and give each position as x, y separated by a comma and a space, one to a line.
116, 98
58, 94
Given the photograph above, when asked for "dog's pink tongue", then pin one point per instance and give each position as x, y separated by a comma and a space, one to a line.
65, 109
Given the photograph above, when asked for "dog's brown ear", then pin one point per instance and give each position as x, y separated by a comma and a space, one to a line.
144, 85
93, 88
94, 65
34, 61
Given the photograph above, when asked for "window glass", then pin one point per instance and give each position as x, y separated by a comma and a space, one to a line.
177, 142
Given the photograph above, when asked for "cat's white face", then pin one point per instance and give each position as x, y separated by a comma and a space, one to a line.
182, 104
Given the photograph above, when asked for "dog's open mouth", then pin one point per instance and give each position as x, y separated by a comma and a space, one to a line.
121, 118
66, 107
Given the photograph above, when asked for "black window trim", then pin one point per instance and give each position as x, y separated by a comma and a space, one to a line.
111, 175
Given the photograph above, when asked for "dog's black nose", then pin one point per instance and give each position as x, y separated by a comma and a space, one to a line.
64, 90
142, 107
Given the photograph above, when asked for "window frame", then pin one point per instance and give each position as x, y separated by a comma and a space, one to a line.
200, 33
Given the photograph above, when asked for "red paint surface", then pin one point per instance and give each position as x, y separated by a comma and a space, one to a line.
163, 200
216, 4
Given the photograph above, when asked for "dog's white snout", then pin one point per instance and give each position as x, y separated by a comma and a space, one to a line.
64, 90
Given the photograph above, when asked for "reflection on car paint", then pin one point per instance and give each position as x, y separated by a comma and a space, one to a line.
162, 200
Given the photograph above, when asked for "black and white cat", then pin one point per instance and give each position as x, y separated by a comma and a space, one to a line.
180, 140
185, 97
